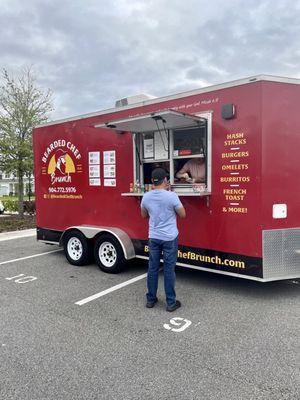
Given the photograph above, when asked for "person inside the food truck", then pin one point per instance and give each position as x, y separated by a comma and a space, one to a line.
193, 171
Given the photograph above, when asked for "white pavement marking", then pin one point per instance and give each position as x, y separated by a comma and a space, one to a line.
25, 258
182, 323
112, 289
17, 234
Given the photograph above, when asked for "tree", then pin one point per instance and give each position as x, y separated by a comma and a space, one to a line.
23, 105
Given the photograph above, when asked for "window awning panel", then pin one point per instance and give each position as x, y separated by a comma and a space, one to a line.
168, 119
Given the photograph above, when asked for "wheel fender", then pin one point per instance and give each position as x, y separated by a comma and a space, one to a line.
91, 231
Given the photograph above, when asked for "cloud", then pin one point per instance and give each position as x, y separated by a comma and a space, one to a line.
94, 52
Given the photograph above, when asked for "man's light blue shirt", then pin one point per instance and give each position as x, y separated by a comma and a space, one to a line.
161, 205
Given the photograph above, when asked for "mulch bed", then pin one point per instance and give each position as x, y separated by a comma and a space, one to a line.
15, 223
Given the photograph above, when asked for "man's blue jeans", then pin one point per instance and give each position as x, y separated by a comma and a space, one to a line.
168, 251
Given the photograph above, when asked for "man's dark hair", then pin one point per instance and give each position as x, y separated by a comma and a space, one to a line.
158, 175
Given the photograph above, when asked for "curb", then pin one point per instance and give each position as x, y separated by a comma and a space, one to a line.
17, 234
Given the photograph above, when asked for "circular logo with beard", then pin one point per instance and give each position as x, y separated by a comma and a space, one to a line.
61, 163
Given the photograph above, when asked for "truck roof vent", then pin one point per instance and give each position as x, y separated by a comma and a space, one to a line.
138, 98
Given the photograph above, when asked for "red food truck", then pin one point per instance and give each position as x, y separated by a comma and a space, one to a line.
243, 220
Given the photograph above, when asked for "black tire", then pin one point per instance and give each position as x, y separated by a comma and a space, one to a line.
77, 248
109, 254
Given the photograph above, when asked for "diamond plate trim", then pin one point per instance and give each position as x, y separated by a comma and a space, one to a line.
281, 253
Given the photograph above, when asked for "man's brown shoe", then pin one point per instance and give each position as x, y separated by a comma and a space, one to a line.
151, 305
174, 306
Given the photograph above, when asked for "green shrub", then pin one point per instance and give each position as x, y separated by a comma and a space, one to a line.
11, 205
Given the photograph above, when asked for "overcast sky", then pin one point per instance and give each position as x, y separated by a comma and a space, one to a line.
93, 52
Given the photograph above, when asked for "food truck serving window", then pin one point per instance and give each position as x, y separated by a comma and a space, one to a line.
180, 143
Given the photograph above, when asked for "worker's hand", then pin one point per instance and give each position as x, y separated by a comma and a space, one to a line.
186, 176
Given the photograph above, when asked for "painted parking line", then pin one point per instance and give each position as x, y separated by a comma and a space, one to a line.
26, 258
112, 289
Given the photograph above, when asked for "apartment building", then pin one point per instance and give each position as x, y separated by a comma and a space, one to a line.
9, 185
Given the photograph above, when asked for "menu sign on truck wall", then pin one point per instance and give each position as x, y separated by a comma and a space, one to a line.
235, 177
94, 168
109, 167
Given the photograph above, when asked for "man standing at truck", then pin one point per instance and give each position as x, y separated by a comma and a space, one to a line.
162, 207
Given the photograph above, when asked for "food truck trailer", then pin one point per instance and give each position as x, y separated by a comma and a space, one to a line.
92, 170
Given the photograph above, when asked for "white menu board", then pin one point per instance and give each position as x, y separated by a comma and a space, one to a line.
109, 182
95, 182
94, 168
109, 171
94, 157
149, 148
109, 157
94, 171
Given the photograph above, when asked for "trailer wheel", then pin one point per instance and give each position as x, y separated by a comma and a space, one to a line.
77, 248
109, 254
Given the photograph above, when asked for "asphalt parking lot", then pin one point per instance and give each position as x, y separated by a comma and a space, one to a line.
232, 338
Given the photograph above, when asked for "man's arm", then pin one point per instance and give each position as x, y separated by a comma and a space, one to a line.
183, 175
181, 212
178, 207
144, 213
183, 172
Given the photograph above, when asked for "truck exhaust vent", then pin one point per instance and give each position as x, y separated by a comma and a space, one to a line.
138, 98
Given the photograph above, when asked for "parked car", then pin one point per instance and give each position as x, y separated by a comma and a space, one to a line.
1, 207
